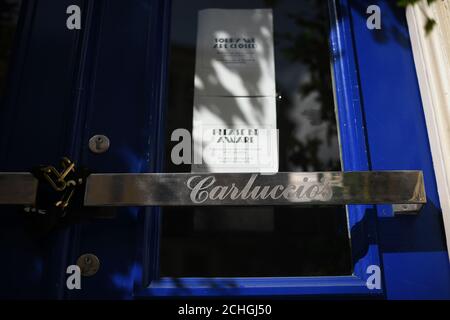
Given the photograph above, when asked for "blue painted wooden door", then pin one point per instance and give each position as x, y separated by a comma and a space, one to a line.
110, 78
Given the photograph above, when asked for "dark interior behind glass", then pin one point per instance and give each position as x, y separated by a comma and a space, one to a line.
266, 241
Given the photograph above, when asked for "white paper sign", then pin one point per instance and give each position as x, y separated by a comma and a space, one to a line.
235, 55
234, 125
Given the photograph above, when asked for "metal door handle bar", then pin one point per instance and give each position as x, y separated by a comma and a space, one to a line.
404, 188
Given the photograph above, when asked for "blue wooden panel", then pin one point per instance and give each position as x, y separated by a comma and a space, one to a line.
122, 93
413, 248
37, 117
37, 126
258, 287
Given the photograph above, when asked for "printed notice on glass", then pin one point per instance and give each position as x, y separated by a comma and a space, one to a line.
234, 125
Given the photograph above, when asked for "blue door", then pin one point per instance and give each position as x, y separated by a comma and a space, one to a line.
347, 99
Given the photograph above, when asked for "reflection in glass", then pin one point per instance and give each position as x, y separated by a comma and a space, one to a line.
260, 242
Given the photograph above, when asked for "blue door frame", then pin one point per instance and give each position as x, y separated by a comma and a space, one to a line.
109, 78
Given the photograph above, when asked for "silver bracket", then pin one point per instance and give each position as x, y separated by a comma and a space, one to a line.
407, 209
237, 189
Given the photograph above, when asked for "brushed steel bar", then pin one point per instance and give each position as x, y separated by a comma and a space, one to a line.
18, 188
243, 189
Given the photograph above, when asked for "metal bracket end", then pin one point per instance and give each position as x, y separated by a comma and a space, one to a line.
407, 209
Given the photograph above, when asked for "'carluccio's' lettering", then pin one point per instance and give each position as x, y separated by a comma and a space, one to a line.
204, 188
